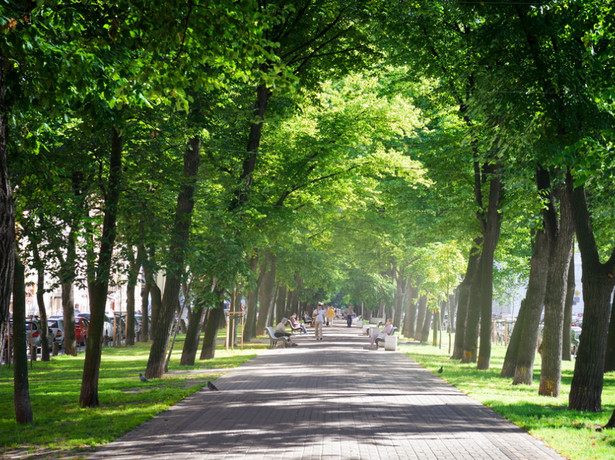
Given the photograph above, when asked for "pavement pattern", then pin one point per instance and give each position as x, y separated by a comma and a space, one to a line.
329, 399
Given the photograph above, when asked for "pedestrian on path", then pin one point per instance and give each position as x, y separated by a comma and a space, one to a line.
349, 316
330, 315
319, 319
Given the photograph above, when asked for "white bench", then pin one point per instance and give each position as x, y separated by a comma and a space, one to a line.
273, 340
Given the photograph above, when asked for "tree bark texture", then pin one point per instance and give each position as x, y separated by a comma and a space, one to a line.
411, 306
426, 325
562, 241
420, 318
21, 389
491, 236
567, 329
191, 343
463, 301
610, 346
523, 349
400, 290
42, 312
7, 210
598, 280
208, 351
175, 268
267, 293
470, 339
130, 297
100, 285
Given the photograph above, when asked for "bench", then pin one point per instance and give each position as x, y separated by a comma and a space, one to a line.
273, 340
377, 321
390, 341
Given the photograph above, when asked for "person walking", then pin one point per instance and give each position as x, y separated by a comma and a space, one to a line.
319, 319
330, 315
349, 316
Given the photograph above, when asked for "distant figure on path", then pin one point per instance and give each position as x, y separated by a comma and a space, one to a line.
330, 315
319, 319
349, 316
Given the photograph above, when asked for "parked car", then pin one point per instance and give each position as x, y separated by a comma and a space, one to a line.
81, 329
57, 328
34, 335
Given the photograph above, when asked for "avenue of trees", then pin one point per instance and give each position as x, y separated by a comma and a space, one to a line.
409, 157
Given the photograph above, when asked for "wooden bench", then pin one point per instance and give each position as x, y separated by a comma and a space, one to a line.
273, 340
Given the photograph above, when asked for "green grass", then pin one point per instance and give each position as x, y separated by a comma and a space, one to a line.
63, 429
571, 433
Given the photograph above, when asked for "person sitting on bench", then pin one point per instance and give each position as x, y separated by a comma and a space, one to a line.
280, 331
296, 325
387, 330
307, 319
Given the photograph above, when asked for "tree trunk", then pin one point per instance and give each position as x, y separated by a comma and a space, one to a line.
68, 314
252, 300
436, 326
411, 307
21, 390
42, 312
555, 298
7, 210
130, 297
400, 289
267, 293
521, 351
567, 330
426, 325
91, 365
463, 300
491, 236
175, 268
470, 340
191, 343
280, 303
598, 281
420, 318
211, 330
610, 347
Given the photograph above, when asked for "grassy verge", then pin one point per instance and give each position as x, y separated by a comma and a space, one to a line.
62, 429
571, 433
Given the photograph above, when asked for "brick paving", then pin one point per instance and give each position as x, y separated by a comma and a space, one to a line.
329, 399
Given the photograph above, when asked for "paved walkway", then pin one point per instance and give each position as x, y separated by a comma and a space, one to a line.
328, 400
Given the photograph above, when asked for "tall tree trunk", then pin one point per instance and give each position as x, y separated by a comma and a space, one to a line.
463, 301
555, 297
567, 330
610, 347
521, 351
426, 325
598, 281
21, 390
470, 340
491, 235
68, 275
208, 351
420, 318
191, 343
175, 268
280, 303
42, 313
411, 306
7, 210
267, 293
133, 275
91, 365
145, 289
252, 300
400, 289
40, 299
436, 326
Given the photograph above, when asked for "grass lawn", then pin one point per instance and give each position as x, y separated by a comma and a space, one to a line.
62, 429
571, 433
